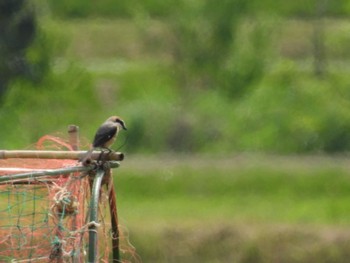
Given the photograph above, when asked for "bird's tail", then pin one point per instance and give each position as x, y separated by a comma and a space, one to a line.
86, 158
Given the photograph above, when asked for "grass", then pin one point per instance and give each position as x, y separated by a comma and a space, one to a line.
238, 208
245, 202
222, 191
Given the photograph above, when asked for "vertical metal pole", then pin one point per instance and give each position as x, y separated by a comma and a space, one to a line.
93, 231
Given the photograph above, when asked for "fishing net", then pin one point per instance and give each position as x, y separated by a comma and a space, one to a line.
46, 219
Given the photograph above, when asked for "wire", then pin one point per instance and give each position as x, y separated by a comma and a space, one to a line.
124, 143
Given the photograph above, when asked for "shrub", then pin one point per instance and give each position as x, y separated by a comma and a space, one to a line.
290, 111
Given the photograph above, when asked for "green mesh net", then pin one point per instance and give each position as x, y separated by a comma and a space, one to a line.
44, 219
41, 221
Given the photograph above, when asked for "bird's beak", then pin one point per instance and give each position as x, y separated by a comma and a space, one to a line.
124, 127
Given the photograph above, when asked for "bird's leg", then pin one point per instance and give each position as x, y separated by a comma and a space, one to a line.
108, 151
104, 151
100, 157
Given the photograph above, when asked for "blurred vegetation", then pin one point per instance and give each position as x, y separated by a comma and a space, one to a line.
160, 9
17, 32
212, 78
198, 77
238, 209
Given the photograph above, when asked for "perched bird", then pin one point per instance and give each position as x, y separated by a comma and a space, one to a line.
105, 135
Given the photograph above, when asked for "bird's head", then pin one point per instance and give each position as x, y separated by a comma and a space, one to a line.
118, 121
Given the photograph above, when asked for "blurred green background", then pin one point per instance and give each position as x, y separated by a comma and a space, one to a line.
237, 112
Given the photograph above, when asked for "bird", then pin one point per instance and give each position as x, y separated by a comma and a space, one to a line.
105, 136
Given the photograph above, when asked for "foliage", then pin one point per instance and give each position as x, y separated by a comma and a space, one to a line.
286, 109
17, 32
30, 114
290, 111
161, 8
301, 8
207, 88
207, 53
110, 8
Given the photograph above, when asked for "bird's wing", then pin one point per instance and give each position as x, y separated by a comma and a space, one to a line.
103, 135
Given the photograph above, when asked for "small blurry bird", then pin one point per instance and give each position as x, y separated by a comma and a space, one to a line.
105, 135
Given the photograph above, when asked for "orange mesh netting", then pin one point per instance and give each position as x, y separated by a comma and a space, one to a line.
45, 219
42, 220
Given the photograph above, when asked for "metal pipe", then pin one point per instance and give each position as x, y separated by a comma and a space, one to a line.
93, 231
52, 172
74, 155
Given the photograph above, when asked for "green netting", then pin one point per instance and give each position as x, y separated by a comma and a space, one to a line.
44, 220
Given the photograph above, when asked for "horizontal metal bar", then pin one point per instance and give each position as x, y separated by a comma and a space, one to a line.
13, 170
52, 172
74, 155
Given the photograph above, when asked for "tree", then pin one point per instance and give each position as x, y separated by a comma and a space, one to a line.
17, 32
208, 53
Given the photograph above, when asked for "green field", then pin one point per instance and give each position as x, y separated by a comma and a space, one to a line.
243, 208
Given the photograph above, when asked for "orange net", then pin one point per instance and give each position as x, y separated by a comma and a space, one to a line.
43, 220
46, 218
